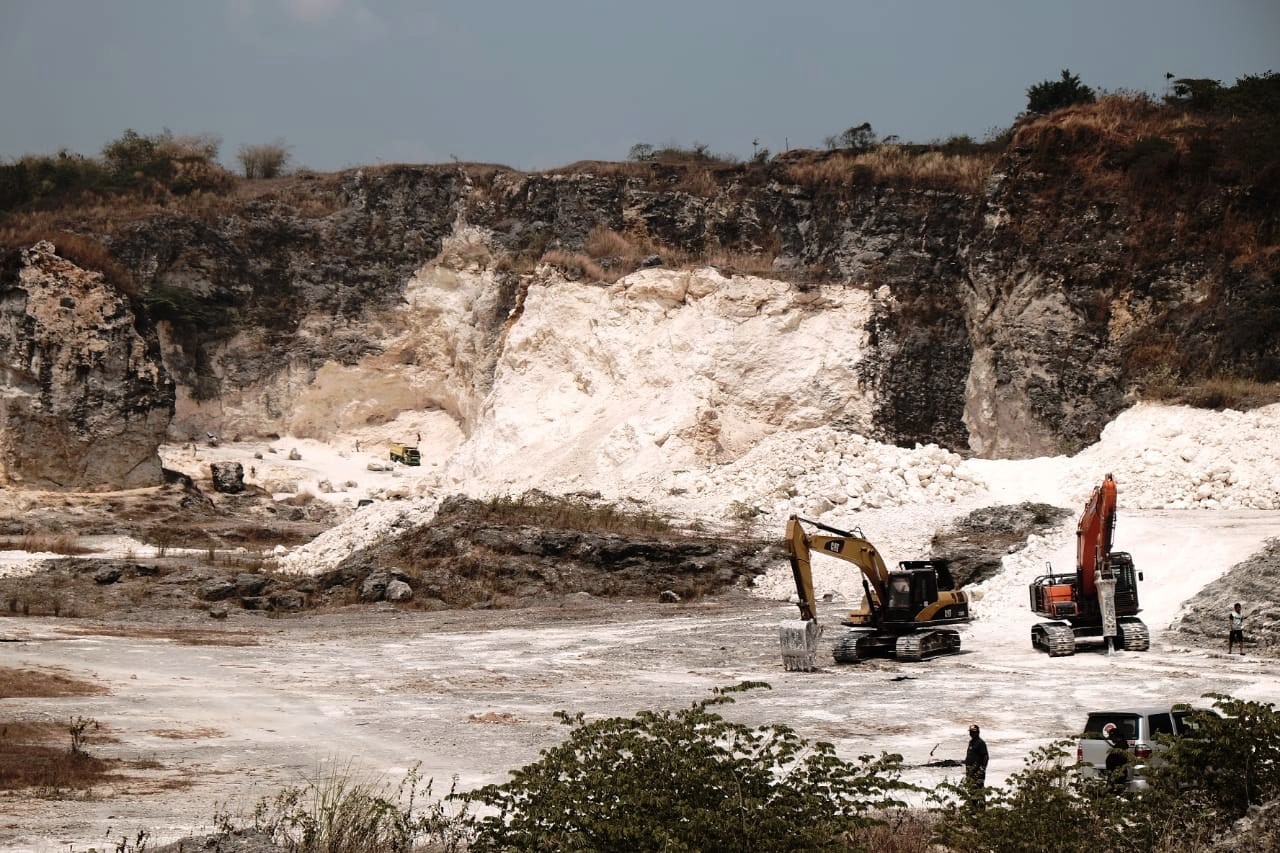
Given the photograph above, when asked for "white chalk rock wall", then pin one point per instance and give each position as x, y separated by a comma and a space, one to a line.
607, 387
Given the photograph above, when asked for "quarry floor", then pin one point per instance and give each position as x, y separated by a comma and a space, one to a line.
230, 713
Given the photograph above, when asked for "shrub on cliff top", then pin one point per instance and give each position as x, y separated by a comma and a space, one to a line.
1049, 95
264, 161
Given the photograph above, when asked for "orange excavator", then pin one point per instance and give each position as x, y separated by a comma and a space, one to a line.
1098, 603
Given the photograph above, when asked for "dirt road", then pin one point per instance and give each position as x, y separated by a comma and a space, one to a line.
472, 695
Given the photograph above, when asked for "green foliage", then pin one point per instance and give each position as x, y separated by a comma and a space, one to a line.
859, 138
164, 162
671, 153
135, 156
1204, 783
37, 179
1043, 807
1049, 95
685, 781
161, 163
1233, 762
1195, 93
570, 512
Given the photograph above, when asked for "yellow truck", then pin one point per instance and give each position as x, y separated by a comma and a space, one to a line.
405, 454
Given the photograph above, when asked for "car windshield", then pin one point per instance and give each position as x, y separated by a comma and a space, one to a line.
1126, 723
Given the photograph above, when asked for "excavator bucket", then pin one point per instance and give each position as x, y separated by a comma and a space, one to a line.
799, 638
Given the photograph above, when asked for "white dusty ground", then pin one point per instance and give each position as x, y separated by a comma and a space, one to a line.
382, 690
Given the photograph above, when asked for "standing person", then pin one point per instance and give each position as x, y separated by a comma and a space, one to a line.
1237, 629
1117, 757
975, 766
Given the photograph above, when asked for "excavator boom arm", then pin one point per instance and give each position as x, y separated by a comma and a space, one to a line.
843, 544
1094, 536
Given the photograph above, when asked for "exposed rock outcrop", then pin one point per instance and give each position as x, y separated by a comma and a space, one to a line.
465, 557
975, 545
1253, 585
85, 401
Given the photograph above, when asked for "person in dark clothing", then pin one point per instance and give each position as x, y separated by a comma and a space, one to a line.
975, 766
1117, 757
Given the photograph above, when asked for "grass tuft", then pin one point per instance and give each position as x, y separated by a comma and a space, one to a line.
339, 812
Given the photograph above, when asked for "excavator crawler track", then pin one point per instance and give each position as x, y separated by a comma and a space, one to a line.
846, 649
1134, 636
1056, 638
927, 644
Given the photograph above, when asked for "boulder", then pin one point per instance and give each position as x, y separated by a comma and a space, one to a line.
248, 583
374, 587
398, 591
228, 477
290, 600
217, 590
108, 575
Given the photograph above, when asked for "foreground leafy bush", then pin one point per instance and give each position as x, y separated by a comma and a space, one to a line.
689, 780
686, 781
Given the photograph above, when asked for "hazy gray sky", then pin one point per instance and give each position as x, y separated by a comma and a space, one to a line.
535, 84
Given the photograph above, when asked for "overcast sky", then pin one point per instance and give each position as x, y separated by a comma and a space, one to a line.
535, 84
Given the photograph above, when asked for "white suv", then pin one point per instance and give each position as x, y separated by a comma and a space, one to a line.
1139, 725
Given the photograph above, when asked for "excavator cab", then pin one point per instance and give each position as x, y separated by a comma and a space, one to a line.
910, 591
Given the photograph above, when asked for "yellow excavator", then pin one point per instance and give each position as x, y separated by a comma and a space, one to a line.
901, 615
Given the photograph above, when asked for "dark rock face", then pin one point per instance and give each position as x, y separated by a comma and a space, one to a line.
86, 400
1073, 294
974, 545
464, 560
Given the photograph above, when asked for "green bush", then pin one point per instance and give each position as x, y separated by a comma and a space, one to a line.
41, 179
1233, 762
177, 164
1049, 95
686, 781
1208, 781
689, 780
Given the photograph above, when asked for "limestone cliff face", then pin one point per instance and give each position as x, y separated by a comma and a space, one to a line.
404, 283
85, 400
1011, 321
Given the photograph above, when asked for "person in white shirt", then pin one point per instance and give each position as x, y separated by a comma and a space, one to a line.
1237, 629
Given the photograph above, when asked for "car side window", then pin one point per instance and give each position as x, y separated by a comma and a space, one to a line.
1160, 724
1127, 723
